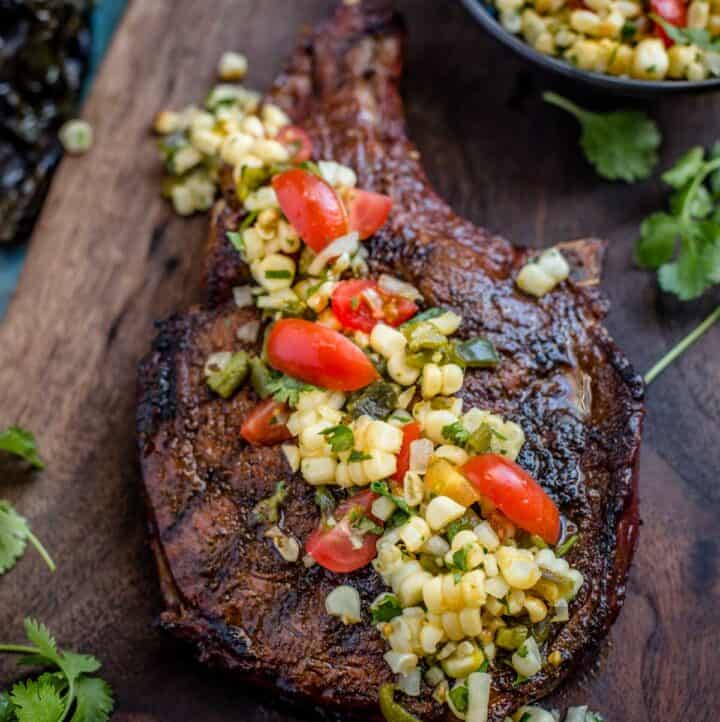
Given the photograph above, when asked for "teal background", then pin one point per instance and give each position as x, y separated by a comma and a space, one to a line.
105, 18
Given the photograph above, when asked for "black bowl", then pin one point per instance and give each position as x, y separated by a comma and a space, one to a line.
621, 86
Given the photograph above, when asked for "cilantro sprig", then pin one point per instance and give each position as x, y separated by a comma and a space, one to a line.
287, 390
688, 36
68, 692
684, 243
15, 533
21, 442
621, 145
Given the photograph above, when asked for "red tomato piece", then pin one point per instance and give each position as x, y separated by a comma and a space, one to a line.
411, 432
318, 355
312, 207
367, 211
298, 140
353, 309
266, 424
671, 11
515, 493
332, 547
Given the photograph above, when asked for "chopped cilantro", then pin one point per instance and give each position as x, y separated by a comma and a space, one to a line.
236, 238
384, 608
456, 433
279, 274
460, 559
356, 455
339, 437
287, 389
21, 442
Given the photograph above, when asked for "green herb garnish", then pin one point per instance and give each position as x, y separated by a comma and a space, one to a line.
621, 145
21, 442
68, 689
382, 488
456, 433
237, 240
384, 608
356, 455
460, 559
688, 36
684, 244
287, 390
339, 437
283, 273
363, 523
628, 31
14, 535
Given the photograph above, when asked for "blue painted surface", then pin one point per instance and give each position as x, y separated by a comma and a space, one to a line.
105, 18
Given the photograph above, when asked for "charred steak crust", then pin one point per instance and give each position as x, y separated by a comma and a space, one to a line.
561, 377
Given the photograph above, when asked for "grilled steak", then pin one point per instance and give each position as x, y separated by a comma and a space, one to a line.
561, 377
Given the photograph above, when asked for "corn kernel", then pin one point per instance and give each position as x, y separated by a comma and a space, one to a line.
400, 371
432, 381
537, 609
232, 66
386, 340
292, 455
430, 637
680, 57
381, 436
441, 511
435, 421
585, 21
698, 14
650, 60
454, 454
380, 466
318, 470
415, 533
532, 278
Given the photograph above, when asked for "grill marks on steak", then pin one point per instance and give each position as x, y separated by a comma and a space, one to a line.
561, 377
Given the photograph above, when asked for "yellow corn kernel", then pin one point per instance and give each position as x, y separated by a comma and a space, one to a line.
628, 8
714, 25
441, 511
611, 25
451, 453
680, 57
532, 26
435, 421
585, 21
452, 379
555, 658
400, 371
548, 590
472, 586
564, 37
381, 466
650, 60
471, 622
537, 609
318, 470
698, 14
232, 66
545, 43
433, 594
386, 340
432, 381
410, 591
548, 7
415, 533
696, 71
602, 7
430, 637
621, 60
452, 593
451, 625
382, 436
518, 567
166, 121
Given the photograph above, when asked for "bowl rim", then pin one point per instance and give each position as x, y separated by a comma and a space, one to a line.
629, 86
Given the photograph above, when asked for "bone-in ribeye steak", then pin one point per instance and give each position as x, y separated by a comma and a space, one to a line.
561, 377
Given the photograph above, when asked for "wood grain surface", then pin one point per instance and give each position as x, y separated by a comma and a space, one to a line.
108, 257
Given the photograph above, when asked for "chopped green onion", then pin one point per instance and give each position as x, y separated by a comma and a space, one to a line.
391, 710
566, 546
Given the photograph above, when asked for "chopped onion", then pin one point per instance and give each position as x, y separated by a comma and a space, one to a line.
344, 602
243, 296
421, 451
410, 683
526, 660
248, 332
344, 244
395, 286
287, 546
478, 684
436, 546
434, 676
217, 362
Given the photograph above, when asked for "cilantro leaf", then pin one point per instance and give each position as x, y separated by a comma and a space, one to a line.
621, 145
287, 389
686, 277
236, 238
20, 442
37, 701
13, 536
687, 36
356, 455
699, 204
40, 636
94, 700
460, 559
364, 524
385, 608
456, 433
685, 168
7, 709
658, 239
382, 488
340, 438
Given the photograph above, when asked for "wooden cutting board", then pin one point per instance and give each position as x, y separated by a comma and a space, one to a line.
108, 257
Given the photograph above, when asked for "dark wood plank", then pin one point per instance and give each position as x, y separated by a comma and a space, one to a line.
108, 257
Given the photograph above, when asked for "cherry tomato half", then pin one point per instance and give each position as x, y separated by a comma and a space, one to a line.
298, 141
266, 424
312, 207
367, 211
411, 432
318, 355
515, 493
671, 11
354, 309
333, 548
